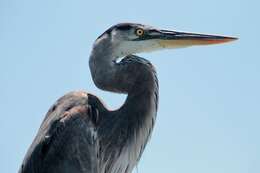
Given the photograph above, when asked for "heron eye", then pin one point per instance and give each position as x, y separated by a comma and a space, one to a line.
139, 32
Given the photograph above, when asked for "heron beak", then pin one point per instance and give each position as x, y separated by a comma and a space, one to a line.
173, 39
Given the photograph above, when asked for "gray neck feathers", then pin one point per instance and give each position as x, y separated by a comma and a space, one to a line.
136, 77
131, 76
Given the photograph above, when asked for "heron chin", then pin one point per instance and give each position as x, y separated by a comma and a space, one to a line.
79, 134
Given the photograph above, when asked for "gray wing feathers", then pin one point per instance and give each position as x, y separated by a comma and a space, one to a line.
66, 141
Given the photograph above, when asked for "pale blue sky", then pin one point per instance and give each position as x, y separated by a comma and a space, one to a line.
209, 111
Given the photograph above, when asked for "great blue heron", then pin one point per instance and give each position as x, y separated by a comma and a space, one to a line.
79, 134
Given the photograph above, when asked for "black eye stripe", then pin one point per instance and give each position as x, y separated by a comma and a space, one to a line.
121, 27
124, 27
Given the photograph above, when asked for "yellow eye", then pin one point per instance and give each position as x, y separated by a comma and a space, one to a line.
139, 32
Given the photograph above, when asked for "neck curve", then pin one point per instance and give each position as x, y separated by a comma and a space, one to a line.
134, 120
133, 75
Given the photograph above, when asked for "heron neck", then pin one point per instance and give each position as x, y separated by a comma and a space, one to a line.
131, 125
134, 76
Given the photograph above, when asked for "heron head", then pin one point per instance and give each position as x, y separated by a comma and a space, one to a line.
132, 38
